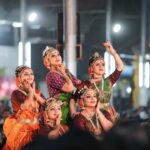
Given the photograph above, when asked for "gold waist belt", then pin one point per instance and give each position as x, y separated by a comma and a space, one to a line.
29, 121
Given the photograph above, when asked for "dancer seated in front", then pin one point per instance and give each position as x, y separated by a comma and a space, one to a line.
53, 128
91, 119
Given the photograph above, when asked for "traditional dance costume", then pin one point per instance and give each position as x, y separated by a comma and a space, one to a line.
55, 81
21, 127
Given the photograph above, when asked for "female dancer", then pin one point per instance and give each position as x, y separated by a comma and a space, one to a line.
21, 127
91, 119
60, 82
103, 86
53, 128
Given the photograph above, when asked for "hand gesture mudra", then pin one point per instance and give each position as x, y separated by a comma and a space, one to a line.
99, 107
34, 88
61, 68
26, 86
109, 47
58, 120
30, 89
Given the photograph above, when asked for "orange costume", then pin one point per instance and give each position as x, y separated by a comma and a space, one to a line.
21, 127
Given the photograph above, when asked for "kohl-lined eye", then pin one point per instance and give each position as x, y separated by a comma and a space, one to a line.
103, 64
52, 108
97, 64
59, 108
53, 55
27, 74
88, 96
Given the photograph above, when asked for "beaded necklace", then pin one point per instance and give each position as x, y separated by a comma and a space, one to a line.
102, 87
89, 118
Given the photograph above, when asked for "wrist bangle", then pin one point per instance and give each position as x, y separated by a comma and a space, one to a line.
30, 94
36, 97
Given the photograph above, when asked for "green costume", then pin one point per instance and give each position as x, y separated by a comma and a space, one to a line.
65, 97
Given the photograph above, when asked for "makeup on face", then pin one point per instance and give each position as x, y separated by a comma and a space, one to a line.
55, 58
90, 98
27, 76
54, 111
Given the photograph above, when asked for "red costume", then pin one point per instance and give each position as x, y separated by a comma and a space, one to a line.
91, 125
106, 87
45, 129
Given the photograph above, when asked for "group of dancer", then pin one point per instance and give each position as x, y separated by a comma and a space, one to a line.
71, 103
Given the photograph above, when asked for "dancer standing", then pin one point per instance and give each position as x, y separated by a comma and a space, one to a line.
60, 82
96, 71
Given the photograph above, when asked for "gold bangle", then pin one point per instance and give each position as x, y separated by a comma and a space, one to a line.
36, 97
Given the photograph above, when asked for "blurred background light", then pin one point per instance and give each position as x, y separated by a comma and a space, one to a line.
129, 89
117, 28
32, 17
17, 24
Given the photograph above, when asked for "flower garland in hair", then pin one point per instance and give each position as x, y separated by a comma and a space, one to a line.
52, 101
49, 103
94, 57
47, 50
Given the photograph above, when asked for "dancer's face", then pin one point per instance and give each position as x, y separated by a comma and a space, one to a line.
54, 112
90, 98
98, 67
27, 75
55, 58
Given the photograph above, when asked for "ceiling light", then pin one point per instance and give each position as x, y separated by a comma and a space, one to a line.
117, 28
32, 17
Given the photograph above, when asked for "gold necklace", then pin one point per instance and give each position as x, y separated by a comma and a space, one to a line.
89, 118
102, 87
35, 106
